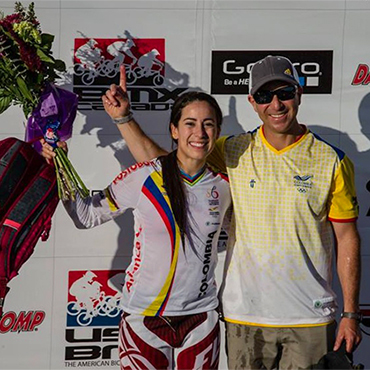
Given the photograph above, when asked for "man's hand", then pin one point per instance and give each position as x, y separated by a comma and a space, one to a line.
349, 330
116, 102
48, 151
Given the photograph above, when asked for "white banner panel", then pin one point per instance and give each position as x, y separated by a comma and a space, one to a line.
170, 47
26, 325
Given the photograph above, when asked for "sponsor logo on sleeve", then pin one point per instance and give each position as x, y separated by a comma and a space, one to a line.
123, 174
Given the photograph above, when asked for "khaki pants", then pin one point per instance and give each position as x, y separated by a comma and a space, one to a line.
255, 347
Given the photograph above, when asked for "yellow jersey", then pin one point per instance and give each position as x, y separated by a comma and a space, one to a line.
278, 265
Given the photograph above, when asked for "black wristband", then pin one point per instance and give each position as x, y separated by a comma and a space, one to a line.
352, 315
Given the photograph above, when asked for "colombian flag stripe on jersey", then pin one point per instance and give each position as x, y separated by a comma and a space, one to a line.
152, 191
192, 180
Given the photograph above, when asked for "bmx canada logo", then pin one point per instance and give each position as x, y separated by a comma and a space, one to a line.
94, 298
96, 67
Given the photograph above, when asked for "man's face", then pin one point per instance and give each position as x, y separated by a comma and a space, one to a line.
279, 116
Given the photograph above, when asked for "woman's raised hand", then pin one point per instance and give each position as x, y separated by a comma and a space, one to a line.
116, 102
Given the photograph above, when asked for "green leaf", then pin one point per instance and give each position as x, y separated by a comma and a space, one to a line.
26, 110
5, 102
16, 93
51, 75
40, 78
44, 57
24, 89
47, 40
59, 65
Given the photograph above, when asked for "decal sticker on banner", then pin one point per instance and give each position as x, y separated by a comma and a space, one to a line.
22, 322
96, 67
93, 315
231, 69
362, 75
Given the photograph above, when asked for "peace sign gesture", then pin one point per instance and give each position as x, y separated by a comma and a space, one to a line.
115, 100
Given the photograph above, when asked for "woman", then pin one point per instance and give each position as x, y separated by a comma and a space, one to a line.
169, 295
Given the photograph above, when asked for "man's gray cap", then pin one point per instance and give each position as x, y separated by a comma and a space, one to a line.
272, 68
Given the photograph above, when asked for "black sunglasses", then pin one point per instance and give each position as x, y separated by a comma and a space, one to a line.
265, 96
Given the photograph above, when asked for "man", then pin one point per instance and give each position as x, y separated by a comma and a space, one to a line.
294, 200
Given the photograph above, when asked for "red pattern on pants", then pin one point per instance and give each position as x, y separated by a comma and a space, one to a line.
176, 342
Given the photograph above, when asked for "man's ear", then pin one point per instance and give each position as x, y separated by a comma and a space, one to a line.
299, 94
252, 101
174, 132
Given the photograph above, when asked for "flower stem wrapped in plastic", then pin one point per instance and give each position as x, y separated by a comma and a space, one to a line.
53, 119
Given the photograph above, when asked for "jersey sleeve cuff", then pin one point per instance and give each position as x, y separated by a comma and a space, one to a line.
342, 220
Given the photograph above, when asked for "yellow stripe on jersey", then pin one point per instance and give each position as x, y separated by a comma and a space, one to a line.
111, 203
168, 218
289, 147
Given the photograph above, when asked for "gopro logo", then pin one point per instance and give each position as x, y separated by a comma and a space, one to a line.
231, 69
309, 73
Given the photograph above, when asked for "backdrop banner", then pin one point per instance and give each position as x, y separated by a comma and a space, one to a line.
63, 309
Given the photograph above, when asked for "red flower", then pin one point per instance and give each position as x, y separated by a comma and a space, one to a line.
9, 20
29, 56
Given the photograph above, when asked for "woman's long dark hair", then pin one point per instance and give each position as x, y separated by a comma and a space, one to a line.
172, 179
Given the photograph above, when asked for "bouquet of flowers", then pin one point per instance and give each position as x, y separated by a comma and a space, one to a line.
27, 73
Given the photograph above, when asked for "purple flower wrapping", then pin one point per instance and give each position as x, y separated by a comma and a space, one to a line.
53, 117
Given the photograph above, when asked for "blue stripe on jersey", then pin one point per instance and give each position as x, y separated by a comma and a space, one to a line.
192, 180
248, 132
167, 213
339, 152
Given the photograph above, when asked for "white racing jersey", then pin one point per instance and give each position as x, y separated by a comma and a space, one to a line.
163, 278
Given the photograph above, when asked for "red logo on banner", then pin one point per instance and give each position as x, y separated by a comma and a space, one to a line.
97, 61
24, 321
94, 297
362, 75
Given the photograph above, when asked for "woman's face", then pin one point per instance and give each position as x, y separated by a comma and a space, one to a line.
196, 134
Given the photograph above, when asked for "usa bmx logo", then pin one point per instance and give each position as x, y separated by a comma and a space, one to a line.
94, 297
